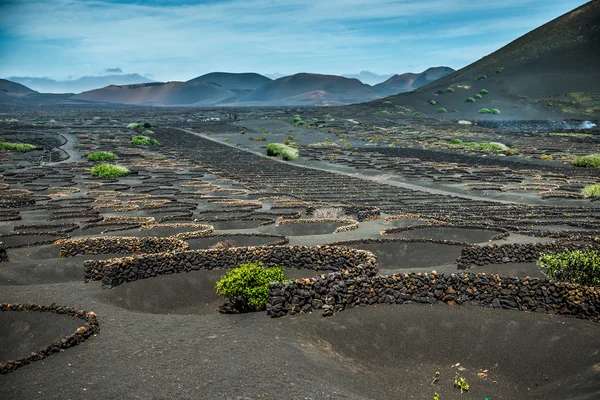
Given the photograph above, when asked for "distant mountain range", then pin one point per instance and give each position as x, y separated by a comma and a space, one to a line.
47, 85
224, 88
409, 81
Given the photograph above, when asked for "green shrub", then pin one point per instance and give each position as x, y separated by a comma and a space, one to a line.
22, 147
108, 171
456, 141
261, 139
143, 140
489, 111
481, 77
470, 100
591, 190
442, 110
387, 103
478, 96
101, 156
483, 91
147, 132
591, 160
491, 146
134, 125
287, 153
432, 102
247, 286
147, 125
449, 90
574, 266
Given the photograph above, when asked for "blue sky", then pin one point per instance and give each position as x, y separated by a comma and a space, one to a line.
179, 40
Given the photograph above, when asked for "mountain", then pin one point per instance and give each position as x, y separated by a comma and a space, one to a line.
551, 72
159, 94
368, 77
228, 80
47, 85
10, 87
411, 81
310, 89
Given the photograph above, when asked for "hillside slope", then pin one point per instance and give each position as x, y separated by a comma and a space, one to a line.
164, 94
10, 87
411, 81
239, 81
311, 89
551, 72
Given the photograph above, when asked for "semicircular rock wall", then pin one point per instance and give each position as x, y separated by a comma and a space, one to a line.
119, 245
116, 271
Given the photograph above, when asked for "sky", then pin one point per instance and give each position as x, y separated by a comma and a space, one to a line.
181, 39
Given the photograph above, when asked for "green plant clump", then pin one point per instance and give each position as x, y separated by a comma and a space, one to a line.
387, 103
442, 110
147, 132
591, 190
22, 147
489, 111
456, 141
143, 140
449, 90
591, 160
483, 91
478, 96
108, 171
134, 125
481, 77
247, 286
470, 100
287, 153
101, 156
574, 266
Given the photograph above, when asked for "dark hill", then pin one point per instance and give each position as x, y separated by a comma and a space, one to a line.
410, 81
10, 87
228, 80
171, 93
311, 89
552, 72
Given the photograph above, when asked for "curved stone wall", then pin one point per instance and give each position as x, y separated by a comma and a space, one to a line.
119, 245
116, 271
82, 333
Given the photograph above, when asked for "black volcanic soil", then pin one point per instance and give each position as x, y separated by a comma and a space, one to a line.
163, 337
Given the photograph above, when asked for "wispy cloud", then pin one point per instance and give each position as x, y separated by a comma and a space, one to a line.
180, 40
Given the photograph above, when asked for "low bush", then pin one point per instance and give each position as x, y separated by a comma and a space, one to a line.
470, 100
134, 125
489, 111
591, 190
387, 103
483, 91
481, 77
247, 286
478, 96
287, 153
22, 147
147, 132
495, 111
591, 160
432, 102
449, 90
143, 141
261, 139
574, 266
109, 171
456, 141
101, 156
442, 110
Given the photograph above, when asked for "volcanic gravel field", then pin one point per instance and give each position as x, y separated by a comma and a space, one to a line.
160, 334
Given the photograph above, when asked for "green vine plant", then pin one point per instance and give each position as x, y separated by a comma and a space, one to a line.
461, 383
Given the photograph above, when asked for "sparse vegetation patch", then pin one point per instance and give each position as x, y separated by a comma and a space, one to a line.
141, 140
101, 156
22, 147
247, 286
591, 190
287, 153
591, 160
574, 266
109, 171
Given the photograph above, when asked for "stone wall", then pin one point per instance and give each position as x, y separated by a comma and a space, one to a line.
82, 333
3, 253
119, 245
336, 292
514, 253
116, 271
